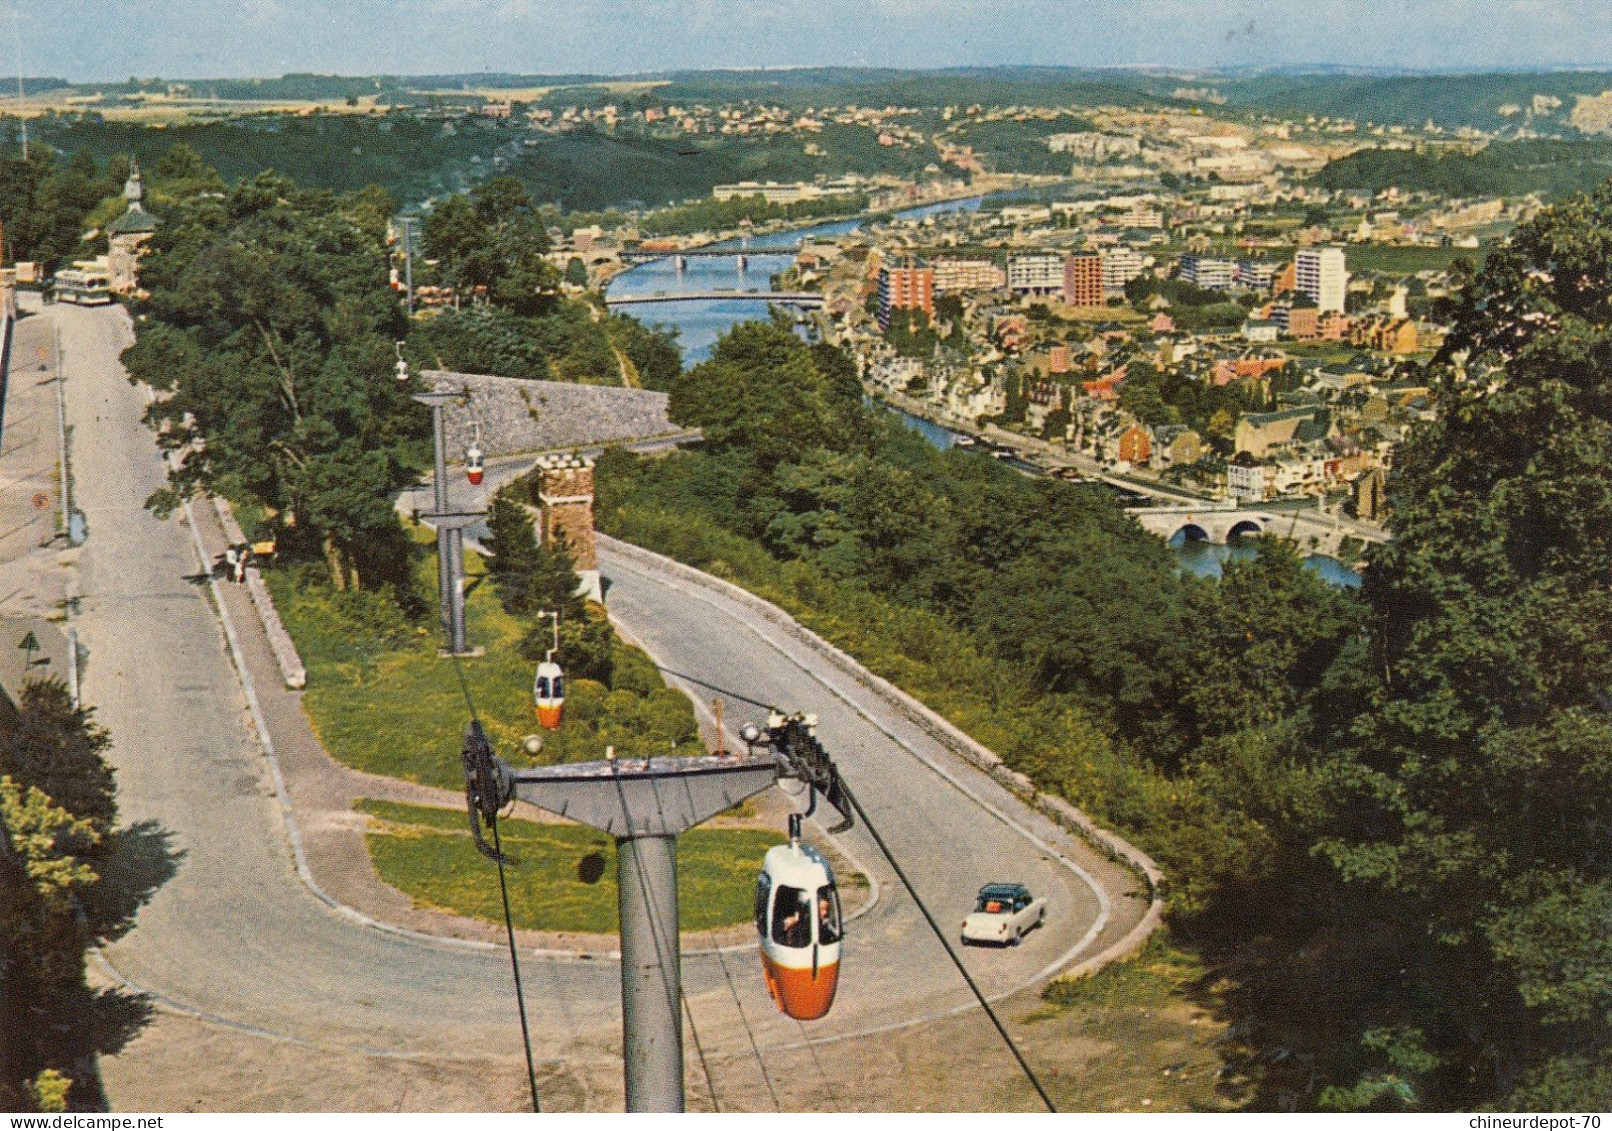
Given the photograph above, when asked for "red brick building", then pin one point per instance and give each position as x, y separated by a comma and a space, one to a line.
1083, 279
905, 288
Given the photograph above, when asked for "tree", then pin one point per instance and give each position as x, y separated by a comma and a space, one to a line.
493, 240
1491, 617
268, 337
762, 391
576, 272
59, 749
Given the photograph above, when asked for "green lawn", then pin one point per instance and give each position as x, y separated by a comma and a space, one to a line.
1409, 260
428, 855
383, 700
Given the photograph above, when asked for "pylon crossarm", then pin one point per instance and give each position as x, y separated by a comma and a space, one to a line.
646, 796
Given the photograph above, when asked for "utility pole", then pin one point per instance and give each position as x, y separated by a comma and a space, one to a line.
16, 23
450, 527
645, 804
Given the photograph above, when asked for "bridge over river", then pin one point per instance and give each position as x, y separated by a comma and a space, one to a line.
1313, 530
782, 298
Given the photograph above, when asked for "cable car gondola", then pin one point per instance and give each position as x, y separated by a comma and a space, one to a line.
548, 687
798, 919
475, 467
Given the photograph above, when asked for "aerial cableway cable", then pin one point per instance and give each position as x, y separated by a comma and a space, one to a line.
755, 1048
946, 943
477, 736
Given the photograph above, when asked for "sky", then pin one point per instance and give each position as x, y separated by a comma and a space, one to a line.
87, 40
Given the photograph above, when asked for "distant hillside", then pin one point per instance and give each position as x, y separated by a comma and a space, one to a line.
1506, 168
585, 169
1449, 101
988, 86
411, 159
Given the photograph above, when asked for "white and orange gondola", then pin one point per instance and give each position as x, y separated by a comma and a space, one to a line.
797, 913
548, 686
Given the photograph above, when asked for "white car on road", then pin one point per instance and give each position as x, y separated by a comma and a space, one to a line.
1003, 915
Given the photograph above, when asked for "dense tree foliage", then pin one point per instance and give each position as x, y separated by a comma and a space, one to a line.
720, 215
268, 337
1503, 168
47, 201
1485, 757
57, 848
567, 342
491, 240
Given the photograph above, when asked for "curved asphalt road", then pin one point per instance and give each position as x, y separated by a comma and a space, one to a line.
233, 935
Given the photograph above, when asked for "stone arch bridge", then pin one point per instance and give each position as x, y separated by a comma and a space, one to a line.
1313, 531
1205, 524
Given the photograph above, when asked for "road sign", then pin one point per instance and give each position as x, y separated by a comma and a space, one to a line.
42, 501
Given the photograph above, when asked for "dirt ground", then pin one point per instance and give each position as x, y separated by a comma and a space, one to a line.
1151, 1051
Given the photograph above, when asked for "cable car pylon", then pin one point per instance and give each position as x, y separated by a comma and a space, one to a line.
645, 804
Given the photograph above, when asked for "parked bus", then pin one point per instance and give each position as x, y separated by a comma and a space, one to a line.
84, 286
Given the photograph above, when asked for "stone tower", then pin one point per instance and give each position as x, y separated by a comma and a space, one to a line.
127, 234
565, 497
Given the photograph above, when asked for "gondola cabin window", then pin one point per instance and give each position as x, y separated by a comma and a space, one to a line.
791, 917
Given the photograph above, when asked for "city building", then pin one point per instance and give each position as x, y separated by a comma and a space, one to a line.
967, 275
1321, 273
1211, 274
905, 288
1259, 432
1138, 216
1245, 478
772, 192
1135, 445
1120, 266
1083, 279
1036, 274
1260, 330
1177, 445
1253, 275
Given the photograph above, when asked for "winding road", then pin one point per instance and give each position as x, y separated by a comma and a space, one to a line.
234, 937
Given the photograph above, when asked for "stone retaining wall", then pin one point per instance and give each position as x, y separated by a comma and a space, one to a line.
518, 416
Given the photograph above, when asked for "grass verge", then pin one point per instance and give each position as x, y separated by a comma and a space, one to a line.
382, 699
427, 854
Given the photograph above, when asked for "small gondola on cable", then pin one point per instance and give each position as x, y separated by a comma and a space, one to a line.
475, 464
797, 908
548, 686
